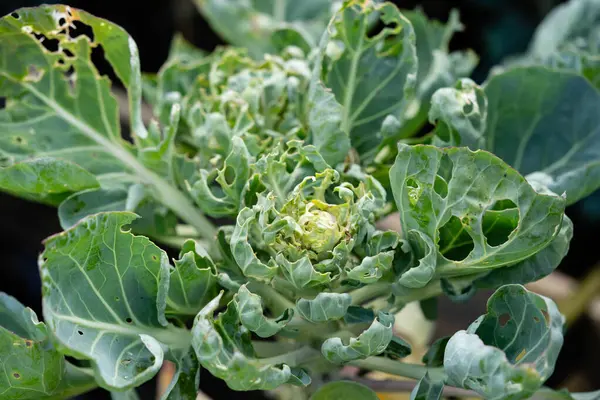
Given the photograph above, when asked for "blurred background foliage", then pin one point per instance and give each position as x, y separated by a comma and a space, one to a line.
494, 29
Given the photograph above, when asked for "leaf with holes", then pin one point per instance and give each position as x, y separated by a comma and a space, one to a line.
511, 350
58, 105
32, 368
371, 73
120, 327
469, 210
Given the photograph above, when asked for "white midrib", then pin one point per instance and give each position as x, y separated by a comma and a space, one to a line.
168, 195
169, 335
349, 95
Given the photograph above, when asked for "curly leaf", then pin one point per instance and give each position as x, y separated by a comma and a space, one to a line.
230, 181
242, 250
193, 280
427, 389
324, 307
460, 115
371, 342
32, 368
119, 327
477, 212
511, 350
353, 56
224, 348
252, 317
302, 274
372, 268
45, 179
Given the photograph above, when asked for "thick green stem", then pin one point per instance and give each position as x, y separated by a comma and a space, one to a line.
369, 292
386, 365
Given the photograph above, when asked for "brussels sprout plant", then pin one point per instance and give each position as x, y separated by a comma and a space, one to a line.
269, 165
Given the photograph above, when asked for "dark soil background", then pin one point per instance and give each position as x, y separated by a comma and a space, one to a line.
494, 29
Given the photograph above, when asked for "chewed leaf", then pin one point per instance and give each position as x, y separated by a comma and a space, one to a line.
193, 281
32, 367
324, 307
479, 213
371, 342
224, 348
251, 315
45, 179
427, 389
353, 56
535, 267
460, 115
118, 327
372, 268
511, 350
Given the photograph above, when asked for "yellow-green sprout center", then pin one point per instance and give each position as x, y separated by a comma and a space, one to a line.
320, 230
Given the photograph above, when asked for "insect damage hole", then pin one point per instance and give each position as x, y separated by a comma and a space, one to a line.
500, 221
454, 242
81, 29
504, 319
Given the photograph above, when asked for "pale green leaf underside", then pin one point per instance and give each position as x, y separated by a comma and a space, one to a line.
371, 342
324, 307
427, 389
511, 350
252, 316
104, 298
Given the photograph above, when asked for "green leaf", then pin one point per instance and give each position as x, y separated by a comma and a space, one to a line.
59, 106
229, 181
459, 115
437, 66
325, 122
467, 212
427, 389
262, 26
344, 390
120, 327
533, 122
535, 267
371, 342
372, 268
193, 281
353, 57
398, 348
186, 381
324, 307
45, 179
429, 308
511, 350
224, 348
251, 314
435, 354
573, 21
33, 369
